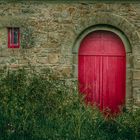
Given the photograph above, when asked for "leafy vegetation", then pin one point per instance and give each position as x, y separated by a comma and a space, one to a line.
27, 38
42, 107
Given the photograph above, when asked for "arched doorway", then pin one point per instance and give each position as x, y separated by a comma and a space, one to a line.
102, 70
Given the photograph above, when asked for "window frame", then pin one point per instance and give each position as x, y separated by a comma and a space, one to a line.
11, 35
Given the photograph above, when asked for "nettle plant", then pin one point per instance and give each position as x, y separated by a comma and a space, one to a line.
27, 37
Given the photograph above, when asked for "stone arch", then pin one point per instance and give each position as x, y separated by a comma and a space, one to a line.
106, 27
110, 22
120, 26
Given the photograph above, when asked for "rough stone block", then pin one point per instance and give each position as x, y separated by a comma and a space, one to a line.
136, 49
66, 71
129, 90
53, 58
136, 61
136, 83
136, 91
42, 60
75, 59
129, 61
66, 59
75, 71
136, 74
129, 74
4, 53
136, 94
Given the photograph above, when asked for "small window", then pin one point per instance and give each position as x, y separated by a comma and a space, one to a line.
13, 37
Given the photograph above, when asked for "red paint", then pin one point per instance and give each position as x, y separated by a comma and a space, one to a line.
102, 70
11, 36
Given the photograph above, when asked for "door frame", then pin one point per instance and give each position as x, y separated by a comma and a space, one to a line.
128, 50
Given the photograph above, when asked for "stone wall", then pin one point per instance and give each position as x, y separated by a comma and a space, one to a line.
55, 29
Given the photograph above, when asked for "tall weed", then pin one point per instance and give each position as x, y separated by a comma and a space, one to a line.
42, 107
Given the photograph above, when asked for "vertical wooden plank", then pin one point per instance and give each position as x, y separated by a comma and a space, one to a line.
102, 70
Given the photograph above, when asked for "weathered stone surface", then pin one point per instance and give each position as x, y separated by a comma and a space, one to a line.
42, 60
136, 75
136, 96
136, 49
53, 58
136, 61
56, 27
75, 71
3, 60
129, 94
75, 59
129, 74
129, 61
136, 83
66, 72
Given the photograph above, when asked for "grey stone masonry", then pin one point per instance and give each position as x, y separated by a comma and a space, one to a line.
53, 32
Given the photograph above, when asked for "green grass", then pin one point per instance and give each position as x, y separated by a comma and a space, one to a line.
42, 107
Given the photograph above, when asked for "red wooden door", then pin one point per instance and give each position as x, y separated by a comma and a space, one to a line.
102, 70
